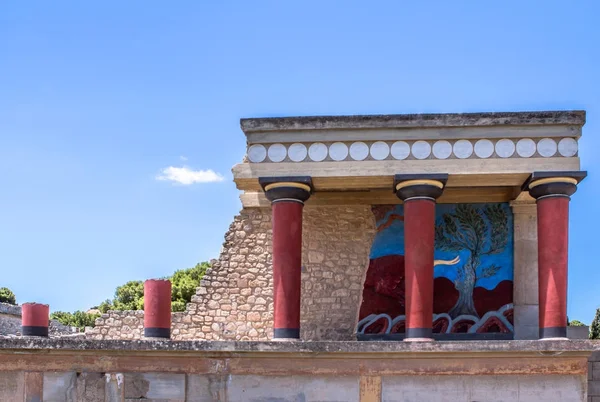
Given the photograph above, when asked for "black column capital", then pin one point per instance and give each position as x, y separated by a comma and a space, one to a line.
419, 186
287, 188
553, 184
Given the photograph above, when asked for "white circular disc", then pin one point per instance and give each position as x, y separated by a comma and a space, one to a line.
525, 147
421, 149
380, 150
567, 147
505, 148
277, 152
484, 148
400, 150
359, 151
338, 151
546, 147
463, 149
297, 152
442, 149
257, 153
317, 151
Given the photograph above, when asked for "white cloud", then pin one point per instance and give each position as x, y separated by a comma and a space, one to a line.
186, 176
183, 158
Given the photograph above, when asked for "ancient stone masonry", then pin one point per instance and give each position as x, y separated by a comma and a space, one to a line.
234, 300
335, 259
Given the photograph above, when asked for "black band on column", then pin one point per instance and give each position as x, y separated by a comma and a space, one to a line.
291, 333
290, 188
34, 331
157, 332
556, 189
419, 186
553, 332
553, 184
418, 333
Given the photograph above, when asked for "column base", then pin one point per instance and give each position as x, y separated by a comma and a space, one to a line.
418, 334
286, 333
553, 332
163, 333
419, 340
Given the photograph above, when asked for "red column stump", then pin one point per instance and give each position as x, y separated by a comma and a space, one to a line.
157, 308
35, 319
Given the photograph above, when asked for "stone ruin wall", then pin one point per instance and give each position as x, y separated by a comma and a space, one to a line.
234, 300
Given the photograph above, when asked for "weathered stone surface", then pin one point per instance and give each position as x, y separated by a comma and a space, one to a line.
12, 386
411, 120
90, 387
292, 389
155, 386
31, 343
60, 387
483, 388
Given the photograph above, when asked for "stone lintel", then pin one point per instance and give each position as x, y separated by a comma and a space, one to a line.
574, 117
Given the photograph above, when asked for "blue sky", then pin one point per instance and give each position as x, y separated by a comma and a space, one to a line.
97, 98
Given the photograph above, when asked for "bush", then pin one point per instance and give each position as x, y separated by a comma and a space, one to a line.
184, 282
595, 326
576, 323
7, 296
79, 319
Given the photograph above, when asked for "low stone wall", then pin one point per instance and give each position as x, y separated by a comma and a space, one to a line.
129, 325
235, 297
118, 371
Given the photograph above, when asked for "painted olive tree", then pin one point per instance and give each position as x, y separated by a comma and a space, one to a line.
480, 230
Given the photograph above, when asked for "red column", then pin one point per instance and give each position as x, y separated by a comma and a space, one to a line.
35, 319
287, 196
419, 235
157, 308
553, 193
287, 260
419, 192
553, 241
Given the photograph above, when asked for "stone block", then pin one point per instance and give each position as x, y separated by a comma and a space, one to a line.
60, 386
206, 388
595, 370
159, 386
34, 384
594, 388
526, 319
12, 386
292, 389
114, 389
90, 387
578, 332
483, 388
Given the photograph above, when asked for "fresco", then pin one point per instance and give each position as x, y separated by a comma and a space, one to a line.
473, 271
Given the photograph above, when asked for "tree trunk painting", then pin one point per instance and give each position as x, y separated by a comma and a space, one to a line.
481, 231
